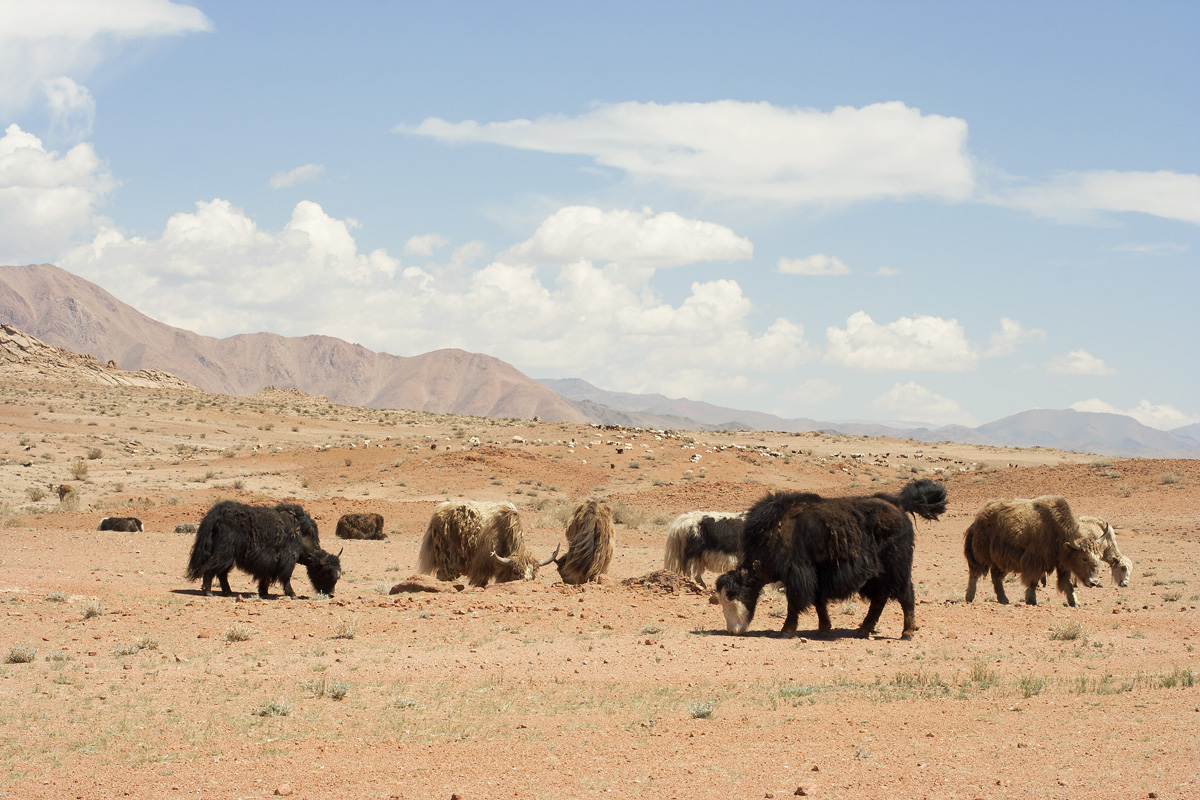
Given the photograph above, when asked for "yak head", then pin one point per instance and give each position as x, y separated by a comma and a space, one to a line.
521, 565
324, 569
1084, 561
1120, 571
738, 600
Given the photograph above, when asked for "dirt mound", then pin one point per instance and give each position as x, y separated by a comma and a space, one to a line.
666, 582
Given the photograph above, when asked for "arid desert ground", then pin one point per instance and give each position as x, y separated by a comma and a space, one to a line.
121, 680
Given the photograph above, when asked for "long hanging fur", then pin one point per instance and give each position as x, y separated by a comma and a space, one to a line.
590, 543
462, 537
704, 540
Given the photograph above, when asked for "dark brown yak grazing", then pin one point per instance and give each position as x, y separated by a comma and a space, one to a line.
1030, 538
479, 539
824, 549
590, 544
360, 526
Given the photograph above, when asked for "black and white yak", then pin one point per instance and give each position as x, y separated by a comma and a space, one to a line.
824, 549
590, 543
266, 542
482, 540
704, 540
121, 524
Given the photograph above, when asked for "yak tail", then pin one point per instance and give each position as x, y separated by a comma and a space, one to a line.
202, 548
425, 564
924, 498
673, 558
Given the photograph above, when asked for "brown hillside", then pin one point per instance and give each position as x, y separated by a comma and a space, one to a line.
68, 311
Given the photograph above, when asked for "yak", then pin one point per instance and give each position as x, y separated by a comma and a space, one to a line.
704, 540
824, 549
1030, 538
122, 524
590, 542
361, 526
1103, 532
480, 539
266, 542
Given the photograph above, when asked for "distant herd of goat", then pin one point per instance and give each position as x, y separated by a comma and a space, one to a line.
818, 549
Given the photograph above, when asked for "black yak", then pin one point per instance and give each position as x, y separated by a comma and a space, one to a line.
700, 540
122, 524
590, 544
824, 549
360, 526
266, 542
480, 539
1030, 538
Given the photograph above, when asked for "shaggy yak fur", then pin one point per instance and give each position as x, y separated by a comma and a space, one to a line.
124, 524
1102, 532
824, 549
590, 544
266, 542
187, 527
704, 540
479, 539
361, 526
1030, 538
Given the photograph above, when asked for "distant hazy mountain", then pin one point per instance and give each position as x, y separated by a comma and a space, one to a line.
1109, 434
1191, 431
68, 311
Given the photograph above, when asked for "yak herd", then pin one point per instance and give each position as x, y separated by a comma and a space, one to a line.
816, 549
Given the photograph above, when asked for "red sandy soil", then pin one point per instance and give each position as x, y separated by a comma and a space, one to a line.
537, 689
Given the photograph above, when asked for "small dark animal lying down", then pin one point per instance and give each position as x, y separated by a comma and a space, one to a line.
266, 542
824, 549
123, 524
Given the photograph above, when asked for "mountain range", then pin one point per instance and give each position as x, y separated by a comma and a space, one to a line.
70, 312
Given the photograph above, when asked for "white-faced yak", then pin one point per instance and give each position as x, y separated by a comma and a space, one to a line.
266, 542
824, 549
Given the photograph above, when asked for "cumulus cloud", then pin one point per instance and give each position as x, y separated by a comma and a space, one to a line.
819, 264
1078, 362
308, 172
424, 245
215, 271
1010, 336
1081, 196
46, 199
633, 238
52, 38
1161, 417
753, 150
72, 107
924, 343
913, 402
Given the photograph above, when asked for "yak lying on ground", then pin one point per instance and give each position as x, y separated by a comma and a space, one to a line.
479, 539
361, 526
1030, 538
590, 543
124, 524
187, 527
824, 549
704, 540
266, 542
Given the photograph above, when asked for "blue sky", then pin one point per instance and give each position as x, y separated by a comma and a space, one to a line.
932, 212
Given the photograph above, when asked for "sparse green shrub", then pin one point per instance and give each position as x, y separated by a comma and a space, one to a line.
92, 609
237, 632
1068, 631
35, 493
56, 597
1170, 477
79, 469
345, 629
703, 709
274, 708
94, 453
337, 689
1031, 686
20, 654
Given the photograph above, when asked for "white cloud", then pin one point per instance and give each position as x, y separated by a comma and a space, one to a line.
216, 272
633, 238
424, 245
756, 150
922, 343
1080, 196
308, 172
1011, 335
46, 199
888, 272
72, 107
51, 38
1161, 417
819, 264
467, 253
912, 402
1078, 362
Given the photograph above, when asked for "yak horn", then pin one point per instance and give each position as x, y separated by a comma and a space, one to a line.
551, 558
502, 559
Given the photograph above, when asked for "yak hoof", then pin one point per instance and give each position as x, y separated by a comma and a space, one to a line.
864, 633
907, 635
